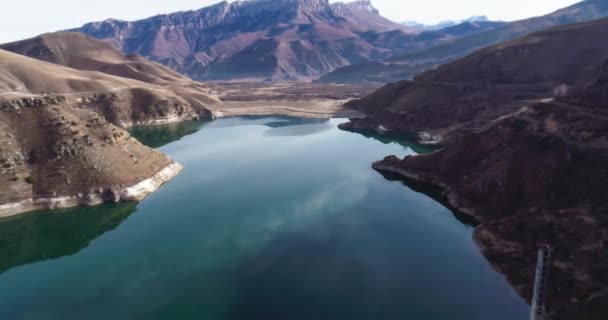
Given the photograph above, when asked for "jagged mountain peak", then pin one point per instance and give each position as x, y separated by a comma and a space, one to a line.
360, 6
304, 5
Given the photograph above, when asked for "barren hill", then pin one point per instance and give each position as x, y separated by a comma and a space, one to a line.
78, 51
523, 126
123, 101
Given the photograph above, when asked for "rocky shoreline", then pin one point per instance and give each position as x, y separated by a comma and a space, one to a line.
447, 193
449, 197
512, 213
135, 193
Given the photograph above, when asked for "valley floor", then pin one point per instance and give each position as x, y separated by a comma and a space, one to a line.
306, 100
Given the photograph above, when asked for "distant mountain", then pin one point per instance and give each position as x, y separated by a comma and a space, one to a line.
443, 24
468, 37
387, 71
522, 126
580, 12
257, 39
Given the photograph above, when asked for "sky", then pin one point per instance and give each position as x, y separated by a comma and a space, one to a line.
27, 18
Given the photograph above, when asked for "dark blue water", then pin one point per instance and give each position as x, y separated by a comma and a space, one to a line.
272, 218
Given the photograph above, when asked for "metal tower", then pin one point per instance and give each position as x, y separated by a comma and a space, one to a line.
537, 311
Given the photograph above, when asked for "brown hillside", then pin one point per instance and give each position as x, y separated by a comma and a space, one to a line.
78, 51
523, 129
122, 101
55, 155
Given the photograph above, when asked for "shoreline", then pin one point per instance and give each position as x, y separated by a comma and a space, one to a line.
284, 111
142, 189
134, 193
450, 200
446, 191
309, 113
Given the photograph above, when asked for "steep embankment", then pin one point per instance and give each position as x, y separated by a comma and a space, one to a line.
523, 127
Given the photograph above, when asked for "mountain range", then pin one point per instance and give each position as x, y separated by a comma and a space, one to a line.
443, 24
427, 55
303, 40
259, 40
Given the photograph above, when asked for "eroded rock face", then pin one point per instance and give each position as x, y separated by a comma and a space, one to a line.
143, 108
16, 105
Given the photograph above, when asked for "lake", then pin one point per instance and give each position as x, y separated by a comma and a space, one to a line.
272, 218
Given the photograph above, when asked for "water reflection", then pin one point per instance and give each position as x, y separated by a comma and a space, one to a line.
291, 127
160, 135
395, 137
49, 235
286, 122
434, 192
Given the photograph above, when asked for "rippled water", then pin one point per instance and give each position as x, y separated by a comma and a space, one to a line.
272, 218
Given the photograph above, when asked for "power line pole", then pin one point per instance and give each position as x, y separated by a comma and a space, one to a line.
537, 310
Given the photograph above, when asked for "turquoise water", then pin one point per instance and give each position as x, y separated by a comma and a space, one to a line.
272, 218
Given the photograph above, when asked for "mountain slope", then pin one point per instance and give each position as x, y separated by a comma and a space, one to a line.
57, 153
450, 48
261, 39
523, 127
78, 51
108, 81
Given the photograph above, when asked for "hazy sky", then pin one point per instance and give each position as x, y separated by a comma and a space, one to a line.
26, 18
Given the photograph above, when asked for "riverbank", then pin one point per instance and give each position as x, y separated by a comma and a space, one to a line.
115, 194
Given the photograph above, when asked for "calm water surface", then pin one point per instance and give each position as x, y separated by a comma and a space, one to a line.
272, 218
